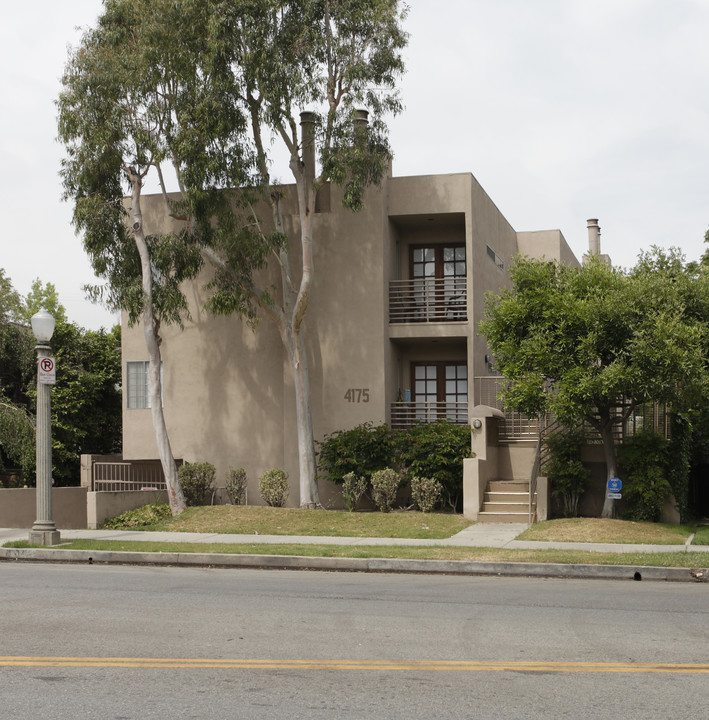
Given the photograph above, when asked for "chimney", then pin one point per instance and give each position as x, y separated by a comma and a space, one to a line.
361, 119
594, 237
307, 127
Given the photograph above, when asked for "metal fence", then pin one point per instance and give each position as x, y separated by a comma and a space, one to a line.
127, 475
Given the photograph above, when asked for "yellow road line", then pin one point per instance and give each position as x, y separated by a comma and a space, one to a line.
432, 665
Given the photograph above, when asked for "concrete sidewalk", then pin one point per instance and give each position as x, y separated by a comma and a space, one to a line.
486, 535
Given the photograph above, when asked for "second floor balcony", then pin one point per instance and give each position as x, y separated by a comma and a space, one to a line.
428, 300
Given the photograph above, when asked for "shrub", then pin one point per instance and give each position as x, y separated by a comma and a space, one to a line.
567, 474
385, 483
353, 487
196, 480
425, 492
236, 486
140, 517
274, 487
643, 459
436, 451
361, 450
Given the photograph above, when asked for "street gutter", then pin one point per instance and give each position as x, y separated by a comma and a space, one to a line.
380, 565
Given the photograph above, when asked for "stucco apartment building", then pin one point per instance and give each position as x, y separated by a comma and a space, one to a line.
399, 289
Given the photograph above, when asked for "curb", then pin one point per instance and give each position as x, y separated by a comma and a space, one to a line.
381, 565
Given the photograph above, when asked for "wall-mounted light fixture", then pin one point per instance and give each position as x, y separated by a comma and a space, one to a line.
477, 423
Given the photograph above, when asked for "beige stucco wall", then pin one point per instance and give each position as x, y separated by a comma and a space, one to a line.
18, 507
228, 389
549, 244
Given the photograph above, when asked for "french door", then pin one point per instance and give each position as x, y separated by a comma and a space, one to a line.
438, 273
440, 390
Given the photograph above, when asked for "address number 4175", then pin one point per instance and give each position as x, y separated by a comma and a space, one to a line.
357, 395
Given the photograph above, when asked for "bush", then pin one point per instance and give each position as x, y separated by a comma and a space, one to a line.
385, 483
236, 485
425, 492
196, 480
643, 459
362, 451
567, 474
274, 487
436, 451
140, 517
353, 487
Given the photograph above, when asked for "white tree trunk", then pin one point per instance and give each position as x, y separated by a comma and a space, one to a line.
152, 342
606, 430
309, 497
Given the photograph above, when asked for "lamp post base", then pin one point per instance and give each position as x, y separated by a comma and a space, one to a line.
44, 537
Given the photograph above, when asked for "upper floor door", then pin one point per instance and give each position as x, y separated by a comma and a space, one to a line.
438, 272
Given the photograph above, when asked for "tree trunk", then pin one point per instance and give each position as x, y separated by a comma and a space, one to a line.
152, 342
606, 429
309, 497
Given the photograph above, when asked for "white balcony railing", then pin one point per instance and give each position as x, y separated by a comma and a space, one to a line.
406, 414
428, 300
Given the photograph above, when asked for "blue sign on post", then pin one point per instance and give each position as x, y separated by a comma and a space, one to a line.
614, 485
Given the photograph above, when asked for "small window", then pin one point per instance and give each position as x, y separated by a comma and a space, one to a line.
138, 385
495, 258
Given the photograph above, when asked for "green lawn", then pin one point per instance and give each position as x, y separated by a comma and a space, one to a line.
702, 536
598, 530
251, 519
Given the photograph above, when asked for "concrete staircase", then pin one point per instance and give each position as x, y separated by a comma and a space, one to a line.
507, 501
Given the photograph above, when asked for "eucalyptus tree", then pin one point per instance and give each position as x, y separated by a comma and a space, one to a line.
122, 88
330, 59
593, 343
206, 86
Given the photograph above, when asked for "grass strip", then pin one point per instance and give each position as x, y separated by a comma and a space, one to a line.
702, 536
671, 559
600, 530
249, 519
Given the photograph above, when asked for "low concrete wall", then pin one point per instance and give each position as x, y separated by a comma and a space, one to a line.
100, 506
18, 507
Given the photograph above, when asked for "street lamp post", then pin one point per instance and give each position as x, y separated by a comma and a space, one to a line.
44, 531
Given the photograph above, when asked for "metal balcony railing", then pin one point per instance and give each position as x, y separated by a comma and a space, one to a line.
428, 300
406, 414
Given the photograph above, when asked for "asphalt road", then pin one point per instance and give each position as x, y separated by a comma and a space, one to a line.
125, 642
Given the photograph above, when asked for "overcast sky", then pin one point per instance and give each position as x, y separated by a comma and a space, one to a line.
562, 109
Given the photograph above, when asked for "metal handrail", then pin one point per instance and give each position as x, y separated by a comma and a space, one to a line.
428, 300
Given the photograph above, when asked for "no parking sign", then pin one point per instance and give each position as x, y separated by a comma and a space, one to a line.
47, 371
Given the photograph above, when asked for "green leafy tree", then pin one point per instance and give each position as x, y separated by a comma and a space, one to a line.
205, 86
16, 373
86, 399
592, 343
43, 295
279, 57
124, 89
10, 300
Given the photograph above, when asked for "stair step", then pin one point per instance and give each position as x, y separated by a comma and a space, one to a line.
508, 486
507, 507
506, 496
503, 517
